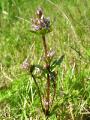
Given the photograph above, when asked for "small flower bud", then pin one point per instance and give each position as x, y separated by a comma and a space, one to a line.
25, 65
51, 53
39, 13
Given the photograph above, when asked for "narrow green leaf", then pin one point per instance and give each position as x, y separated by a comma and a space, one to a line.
57, 62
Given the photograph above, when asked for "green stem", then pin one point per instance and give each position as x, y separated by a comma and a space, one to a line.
38, 92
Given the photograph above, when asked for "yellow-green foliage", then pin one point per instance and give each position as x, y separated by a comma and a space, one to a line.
70, 36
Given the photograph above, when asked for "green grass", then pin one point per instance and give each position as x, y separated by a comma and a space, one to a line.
70, 36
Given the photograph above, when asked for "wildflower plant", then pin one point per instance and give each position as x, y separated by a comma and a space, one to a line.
42, 26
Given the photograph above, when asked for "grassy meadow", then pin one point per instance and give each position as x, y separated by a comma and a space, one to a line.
70, 36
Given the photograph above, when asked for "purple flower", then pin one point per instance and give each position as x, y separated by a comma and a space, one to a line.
40, 22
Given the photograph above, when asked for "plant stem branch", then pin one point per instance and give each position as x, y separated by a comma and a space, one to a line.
38, 92
48, 76
54, 92
45, 45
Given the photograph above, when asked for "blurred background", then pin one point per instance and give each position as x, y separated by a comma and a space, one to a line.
70, 36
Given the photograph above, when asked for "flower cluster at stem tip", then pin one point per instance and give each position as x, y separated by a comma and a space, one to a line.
40, 23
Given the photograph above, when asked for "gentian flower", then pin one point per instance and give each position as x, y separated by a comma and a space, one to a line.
40, 24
